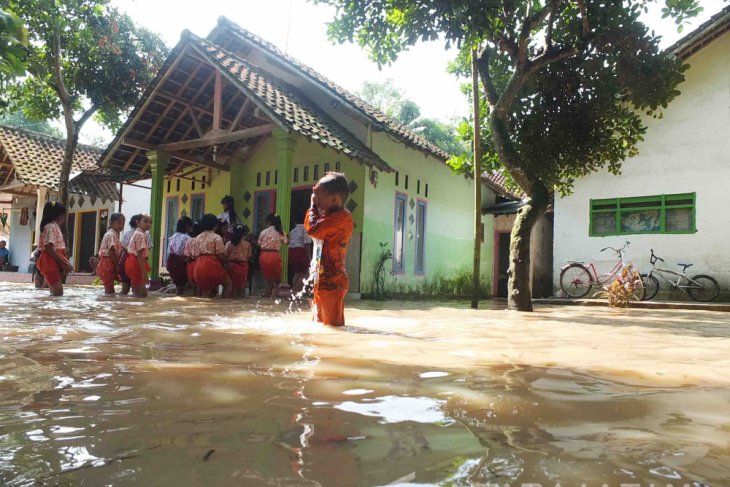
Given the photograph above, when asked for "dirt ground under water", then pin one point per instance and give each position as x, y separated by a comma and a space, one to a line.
184, 391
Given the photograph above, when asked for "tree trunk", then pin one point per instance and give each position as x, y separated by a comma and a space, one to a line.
519, 296
72, 140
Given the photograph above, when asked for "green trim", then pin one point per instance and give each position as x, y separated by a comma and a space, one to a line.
621, 206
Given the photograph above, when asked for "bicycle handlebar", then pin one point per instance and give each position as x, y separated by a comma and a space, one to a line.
654, 258
618, 251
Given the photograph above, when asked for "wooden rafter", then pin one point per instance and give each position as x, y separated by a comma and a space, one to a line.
10, 173
218, 137
146, 146
217, 96
196, 123
239, 115
131, 159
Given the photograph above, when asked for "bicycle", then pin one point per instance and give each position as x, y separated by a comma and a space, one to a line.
702, 288
577, 280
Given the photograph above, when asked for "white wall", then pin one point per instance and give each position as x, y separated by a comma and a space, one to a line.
686, 151
20, 243
135, 199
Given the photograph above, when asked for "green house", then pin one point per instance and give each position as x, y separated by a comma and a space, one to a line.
232, 114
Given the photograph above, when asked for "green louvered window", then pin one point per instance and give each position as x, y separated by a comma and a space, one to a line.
668, 213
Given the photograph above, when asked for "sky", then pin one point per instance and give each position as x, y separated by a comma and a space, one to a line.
300, 28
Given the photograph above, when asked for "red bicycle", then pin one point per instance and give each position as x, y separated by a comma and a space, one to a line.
577, 279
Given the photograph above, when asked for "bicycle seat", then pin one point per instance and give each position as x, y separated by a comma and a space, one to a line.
685, 266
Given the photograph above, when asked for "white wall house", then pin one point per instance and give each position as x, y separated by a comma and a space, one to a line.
673, 197
30, 166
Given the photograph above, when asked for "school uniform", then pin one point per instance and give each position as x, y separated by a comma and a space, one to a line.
270, 258
334, 229
107, 268
137, 243
238, 257
209, 271
47, 265
176, 261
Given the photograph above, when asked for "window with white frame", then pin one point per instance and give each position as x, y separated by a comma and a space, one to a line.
399, 261
420, 263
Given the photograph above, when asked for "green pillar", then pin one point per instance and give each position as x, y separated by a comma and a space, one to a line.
285, 146
158, 164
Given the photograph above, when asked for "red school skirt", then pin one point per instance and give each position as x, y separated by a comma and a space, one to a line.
123, 277
209, 272
178, 269
238, 272
270, 264
298, 262
49, 268
106, 271
136, 276
190, 270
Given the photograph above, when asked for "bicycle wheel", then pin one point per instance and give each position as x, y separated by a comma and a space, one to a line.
708, 291
651, 286
576, 281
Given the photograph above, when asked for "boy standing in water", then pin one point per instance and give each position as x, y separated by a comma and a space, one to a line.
327, 220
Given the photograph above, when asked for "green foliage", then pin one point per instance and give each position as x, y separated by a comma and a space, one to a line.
391, 100
379, 291
570, 79
105, 61
13, 40
19, 120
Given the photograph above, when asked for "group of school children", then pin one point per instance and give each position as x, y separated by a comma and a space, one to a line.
218, 251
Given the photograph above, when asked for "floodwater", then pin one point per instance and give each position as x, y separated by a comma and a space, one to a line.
182, 391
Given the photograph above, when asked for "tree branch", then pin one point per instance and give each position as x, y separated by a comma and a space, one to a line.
531, 22
59, 85
548, 57
482, 63
584, 18
88, 113
551, 21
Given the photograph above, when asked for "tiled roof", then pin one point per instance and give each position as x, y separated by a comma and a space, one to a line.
380, 119
285, 105
37, 162
705, 33
497, 181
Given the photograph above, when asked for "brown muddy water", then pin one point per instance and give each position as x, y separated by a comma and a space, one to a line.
182, 391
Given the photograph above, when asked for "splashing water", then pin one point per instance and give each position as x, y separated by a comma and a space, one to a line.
187, 391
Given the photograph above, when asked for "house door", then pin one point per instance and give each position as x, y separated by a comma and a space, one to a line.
170, 223
263, 204
502, 240
87, 241
300, 200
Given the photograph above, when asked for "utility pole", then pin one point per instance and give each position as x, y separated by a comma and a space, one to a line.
477, 186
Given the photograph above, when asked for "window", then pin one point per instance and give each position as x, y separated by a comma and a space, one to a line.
400, 234
418, 186
672, 213
268, 178
406, 183
258, 180
420, 265
397, 177
426, 193
306, 173
276, 177
316, 172
202, 182
177, 184
337, 166
192, 185
326, 167
197, 206
296, 174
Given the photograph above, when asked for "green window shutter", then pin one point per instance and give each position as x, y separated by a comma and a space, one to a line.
659, 214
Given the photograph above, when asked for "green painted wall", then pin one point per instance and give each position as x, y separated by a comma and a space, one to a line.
449, 225
244, 177
449, 242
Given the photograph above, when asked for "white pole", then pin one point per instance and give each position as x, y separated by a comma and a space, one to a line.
42, 195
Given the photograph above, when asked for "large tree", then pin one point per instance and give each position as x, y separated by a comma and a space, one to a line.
565, 83
393, 102
85, 60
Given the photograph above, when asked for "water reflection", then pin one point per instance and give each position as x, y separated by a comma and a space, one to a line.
99, 391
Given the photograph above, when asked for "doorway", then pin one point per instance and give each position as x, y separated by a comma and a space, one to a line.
501, 252
170, 223
87, 241
300, 201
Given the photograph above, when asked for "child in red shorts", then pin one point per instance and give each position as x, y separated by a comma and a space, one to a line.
327, 220
136, 265
52, 263
109, 252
